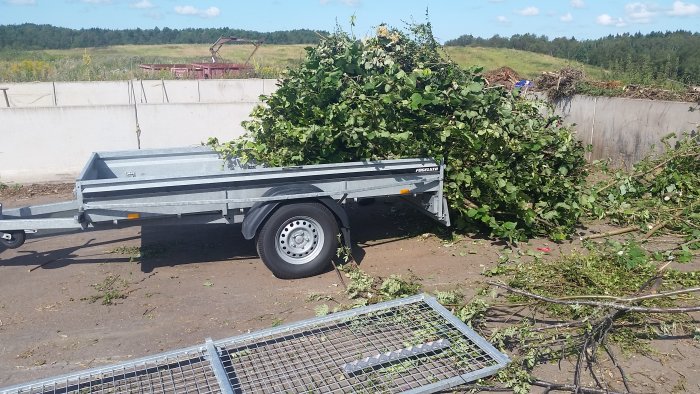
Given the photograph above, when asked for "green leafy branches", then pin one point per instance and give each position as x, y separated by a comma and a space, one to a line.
511, 168
661, 192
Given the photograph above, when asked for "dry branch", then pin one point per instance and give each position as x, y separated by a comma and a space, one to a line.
611, 305
572, 388
624, 230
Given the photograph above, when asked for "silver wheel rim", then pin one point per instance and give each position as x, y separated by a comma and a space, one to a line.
299, 240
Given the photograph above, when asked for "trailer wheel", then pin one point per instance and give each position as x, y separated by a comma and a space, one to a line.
16, 240
298, 240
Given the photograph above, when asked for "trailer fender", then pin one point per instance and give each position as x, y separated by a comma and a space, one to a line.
260, 211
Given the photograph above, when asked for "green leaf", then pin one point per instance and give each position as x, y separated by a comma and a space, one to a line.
416, 100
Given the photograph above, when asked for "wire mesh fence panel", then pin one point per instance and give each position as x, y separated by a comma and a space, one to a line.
399, 347
179, 372
412, 345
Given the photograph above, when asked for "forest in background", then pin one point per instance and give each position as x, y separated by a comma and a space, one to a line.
30, 36
666, 59
646, 59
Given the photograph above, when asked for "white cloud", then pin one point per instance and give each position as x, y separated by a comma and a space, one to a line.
607, 20
529, 11
566, 17
186, 10
684, 9
639, 12
20, 2
577, 3
210, 12
502, 19
142, 4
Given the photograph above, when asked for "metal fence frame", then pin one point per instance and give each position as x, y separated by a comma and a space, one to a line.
211, 350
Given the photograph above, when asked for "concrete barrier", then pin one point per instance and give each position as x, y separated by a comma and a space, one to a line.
623, 129
47, 134
33, 94
173, 125
172, 91
92, 93
53, 143
64, 94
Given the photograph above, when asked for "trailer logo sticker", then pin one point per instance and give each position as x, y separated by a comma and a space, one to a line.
427, 169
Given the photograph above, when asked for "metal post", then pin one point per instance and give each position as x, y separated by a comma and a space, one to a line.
7, 100
218, 367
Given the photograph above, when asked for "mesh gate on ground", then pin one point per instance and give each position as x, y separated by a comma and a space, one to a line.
409, 345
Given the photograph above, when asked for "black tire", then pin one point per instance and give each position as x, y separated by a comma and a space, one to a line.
298, 240
18, 238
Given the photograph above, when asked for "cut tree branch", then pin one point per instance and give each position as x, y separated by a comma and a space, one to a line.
612, 305
624, 230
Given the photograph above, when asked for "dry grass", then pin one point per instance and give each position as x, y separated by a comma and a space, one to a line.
121, 62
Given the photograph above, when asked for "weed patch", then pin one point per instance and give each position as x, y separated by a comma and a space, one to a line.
111, 289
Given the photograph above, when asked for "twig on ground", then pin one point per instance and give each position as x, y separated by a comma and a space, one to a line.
571, 388
654, 229
612, 305
624, 230
618, 366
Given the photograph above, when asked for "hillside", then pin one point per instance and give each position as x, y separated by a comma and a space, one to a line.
656, 58
526, 64
121, 62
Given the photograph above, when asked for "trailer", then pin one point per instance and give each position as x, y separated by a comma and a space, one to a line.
295, 214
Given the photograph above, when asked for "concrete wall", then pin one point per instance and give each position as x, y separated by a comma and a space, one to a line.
624, 129
50, 129
53, 143
61, 94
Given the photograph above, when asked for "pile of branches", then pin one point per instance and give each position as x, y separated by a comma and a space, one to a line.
660, 194
504, 76
512, 168
560, 85
581, 307
584, 308
651, 93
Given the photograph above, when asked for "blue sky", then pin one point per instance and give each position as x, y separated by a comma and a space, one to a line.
450, 18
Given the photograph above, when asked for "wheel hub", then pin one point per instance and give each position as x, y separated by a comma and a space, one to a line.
299, 240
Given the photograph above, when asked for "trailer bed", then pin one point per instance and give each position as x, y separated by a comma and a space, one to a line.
195, 186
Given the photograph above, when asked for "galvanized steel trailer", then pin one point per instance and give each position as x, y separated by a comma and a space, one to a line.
294, 212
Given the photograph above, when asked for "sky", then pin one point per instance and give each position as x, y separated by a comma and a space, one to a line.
582, 19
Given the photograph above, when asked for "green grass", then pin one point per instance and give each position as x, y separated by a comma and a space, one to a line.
121, 62
526, 64
269, 54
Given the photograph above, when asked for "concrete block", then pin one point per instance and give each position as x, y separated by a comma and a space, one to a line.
174, 125
29, 94
230, 90
54, 143
92, 93
623, 129
168, 91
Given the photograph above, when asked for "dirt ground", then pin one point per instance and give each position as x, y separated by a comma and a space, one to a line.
194, 282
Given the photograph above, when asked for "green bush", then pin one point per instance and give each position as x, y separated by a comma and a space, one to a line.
511, 166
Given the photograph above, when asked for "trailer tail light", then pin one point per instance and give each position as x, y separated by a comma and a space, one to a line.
132, 216
405, 191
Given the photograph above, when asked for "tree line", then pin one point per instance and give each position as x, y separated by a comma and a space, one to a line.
31, 36
643, 58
